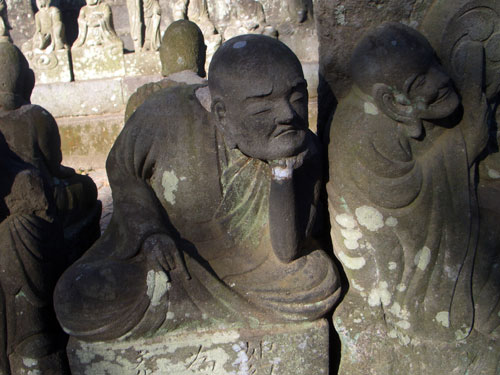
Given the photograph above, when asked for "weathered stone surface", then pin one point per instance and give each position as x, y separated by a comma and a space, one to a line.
142, 63
242, 199
50, 67
299, 349
419, 249
86, 140
97, 62
81, 98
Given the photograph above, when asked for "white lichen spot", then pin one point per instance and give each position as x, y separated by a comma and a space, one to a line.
404, 340
443, 317
370, 218
170, 315
85, 356
356, 285
346, 220
403, 324
340, 15
357, 320
401, 287
393, 334
240, 44
158, 285
392, 266
169, 182
493, 173
460, 335
391, 221
422, 258
351, 238
353, 263
370, 109
241, 361
30, 362
303, 344
380, 295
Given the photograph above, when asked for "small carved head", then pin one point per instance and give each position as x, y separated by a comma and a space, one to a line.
259, 97
396, 66
183, 48
93, 2
42, 4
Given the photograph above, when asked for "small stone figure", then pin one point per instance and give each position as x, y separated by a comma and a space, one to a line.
152, 18
210, 208
49, 29
151, 12
182, 55
98, 51
4, 24
248, 17
32, 134
404, 213
31, 237
95, 26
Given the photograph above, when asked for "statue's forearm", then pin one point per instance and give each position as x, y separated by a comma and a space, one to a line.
285, 236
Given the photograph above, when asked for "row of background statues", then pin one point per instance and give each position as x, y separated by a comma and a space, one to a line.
140, 23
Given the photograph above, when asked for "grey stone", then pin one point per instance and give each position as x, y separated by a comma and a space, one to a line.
50, 67
207, 220
299, 349
420, 253
142, 63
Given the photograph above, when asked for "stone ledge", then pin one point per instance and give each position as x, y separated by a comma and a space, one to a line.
279, 349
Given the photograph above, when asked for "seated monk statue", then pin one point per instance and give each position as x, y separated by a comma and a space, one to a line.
32, 133
403, 207
4, 24
182, 56
95, 26
212, 209
49, 28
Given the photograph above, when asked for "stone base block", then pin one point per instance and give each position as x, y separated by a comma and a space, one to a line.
142, 63
50, 67
298, 349
95, 62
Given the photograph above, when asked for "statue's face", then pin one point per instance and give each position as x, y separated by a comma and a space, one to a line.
92, 2
432, 93
42, 3
269, 122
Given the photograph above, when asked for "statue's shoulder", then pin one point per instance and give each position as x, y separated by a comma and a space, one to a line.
54, 11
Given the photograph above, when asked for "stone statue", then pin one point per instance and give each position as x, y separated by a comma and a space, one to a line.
152, 18
405, 220
151, 12
31, 240
4, 23
49, 29
248, 17
32, 134
182, 55
98, 51
210, 207
95, 26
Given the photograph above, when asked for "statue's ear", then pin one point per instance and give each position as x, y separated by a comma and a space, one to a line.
220, 114
397, 107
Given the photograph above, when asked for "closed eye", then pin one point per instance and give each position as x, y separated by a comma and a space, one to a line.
260, 111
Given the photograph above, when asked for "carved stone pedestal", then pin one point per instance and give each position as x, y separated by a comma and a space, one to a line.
284, 349
95, 62
50, 67
142, 63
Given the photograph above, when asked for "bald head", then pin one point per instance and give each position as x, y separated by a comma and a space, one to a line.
391, 54
246, 62
182, 48
16, 78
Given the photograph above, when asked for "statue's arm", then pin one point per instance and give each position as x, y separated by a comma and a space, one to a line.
292, 201
82, 29
140, 224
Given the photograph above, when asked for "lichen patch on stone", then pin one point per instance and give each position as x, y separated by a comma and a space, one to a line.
422, 258
353, 263
370, 109
370, 218
170, 183
443, 317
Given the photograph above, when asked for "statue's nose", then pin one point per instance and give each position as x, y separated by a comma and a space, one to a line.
285, 113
